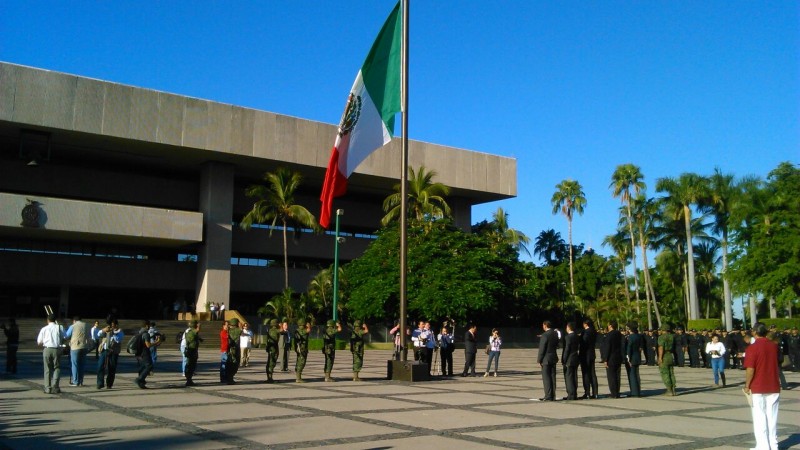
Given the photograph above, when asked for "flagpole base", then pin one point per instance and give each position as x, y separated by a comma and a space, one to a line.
408, 371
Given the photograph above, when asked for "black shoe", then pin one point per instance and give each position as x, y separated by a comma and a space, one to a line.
583, 397
190, 383
141, 385
100, 387
546, 399
593, 397
56, 391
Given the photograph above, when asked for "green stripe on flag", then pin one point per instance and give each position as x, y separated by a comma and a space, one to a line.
381, 69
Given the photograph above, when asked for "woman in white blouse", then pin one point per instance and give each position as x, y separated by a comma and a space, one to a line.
494, 352
716, 349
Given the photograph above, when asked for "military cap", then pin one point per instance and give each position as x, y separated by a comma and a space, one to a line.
666, 327
301, 322
234, 322
331, 323
273, 322
193, 324
357, 323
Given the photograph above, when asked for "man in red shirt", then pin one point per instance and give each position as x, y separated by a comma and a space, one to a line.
223, 348
761, 362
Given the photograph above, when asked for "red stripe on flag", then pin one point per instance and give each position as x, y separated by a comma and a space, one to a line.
335, 186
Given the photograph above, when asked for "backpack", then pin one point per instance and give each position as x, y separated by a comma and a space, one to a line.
179, 337
135, 345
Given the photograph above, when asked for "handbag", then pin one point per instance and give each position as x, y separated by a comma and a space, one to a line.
488, 348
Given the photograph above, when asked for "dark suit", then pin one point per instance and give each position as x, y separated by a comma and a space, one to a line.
570, 361
470, 349
587, 356
634, 345
611, 353
548, 359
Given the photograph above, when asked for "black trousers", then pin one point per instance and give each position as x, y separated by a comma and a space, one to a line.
614, 372
571, 381
469, 364
446, 356
549, 381
589, 375
634, 380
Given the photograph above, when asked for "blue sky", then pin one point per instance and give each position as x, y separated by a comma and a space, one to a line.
570, 89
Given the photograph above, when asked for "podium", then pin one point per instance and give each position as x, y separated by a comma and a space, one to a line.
409, 371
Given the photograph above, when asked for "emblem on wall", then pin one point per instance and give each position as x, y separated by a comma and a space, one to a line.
31, 214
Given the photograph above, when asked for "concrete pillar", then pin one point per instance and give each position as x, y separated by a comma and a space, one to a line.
462, 213
214, 256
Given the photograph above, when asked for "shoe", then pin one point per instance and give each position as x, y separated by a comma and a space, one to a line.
141, 385
463, 374
546, 400
48, 391
485, 374
100, 387
73, 384
495, 375
56, 391
190, 383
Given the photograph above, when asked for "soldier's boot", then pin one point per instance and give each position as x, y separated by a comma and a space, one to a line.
722, 376
328, 377
269, 378
355, 376
299, 378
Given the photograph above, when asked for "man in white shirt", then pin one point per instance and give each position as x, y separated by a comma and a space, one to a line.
51, 337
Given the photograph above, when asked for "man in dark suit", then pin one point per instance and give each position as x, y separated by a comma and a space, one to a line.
611, 353
586, 355
470, 350
569, 359
548, 343
634, 344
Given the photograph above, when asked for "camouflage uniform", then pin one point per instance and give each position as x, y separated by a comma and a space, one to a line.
666, 363
301, 348
357, 348
329, 347
234, 352
273, 335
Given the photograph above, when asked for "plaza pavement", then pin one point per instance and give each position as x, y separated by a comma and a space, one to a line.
462, 413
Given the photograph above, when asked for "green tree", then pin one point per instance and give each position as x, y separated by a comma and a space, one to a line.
683, 192
550, 246
627, 178
275, 204
645, 214
620, 244
426, 199
569, 199
500, 233
279, 306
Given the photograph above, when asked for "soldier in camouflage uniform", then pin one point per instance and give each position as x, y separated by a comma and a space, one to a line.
329, 346
666, 359
301, 348
357, 347
273, 335
193, 340
234, 352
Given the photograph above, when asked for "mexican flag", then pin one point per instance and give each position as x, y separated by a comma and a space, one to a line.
368, 119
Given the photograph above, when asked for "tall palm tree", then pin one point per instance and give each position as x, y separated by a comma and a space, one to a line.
708, 260
619, 243
645, 213
549, 246
426, 199
627, 178
684, 192
514, 238
275, 204
725, 194
569, 198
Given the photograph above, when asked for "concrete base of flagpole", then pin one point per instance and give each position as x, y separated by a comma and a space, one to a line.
408, 371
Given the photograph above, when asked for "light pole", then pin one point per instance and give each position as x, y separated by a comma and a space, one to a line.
337, 240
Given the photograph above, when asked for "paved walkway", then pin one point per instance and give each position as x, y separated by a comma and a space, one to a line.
463, 413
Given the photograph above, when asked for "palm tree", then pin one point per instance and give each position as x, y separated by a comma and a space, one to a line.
619, 243
549, 246
645, 214
625, 178
276, 204
723, 197
425, 198
707, 263
510, 236
280, 306
687, 190
569, 199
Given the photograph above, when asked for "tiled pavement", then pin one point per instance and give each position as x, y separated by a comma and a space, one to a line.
463, 413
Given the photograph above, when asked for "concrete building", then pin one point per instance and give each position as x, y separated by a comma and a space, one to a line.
113, 196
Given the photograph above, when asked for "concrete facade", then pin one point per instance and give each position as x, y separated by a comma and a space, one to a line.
147, 188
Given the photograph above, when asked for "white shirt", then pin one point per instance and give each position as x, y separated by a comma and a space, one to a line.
51, 336
719, 346
244, 339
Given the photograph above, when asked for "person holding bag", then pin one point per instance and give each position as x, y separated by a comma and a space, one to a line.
493, 350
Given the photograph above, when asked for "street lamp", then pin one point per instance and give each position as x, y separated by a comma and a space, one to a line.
337, 241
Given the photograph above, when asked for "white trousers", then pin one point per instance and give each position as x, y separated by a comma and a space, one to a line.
765, 421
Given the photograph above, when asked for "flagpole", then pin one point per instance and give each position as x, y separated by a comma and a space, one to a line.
404, 180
